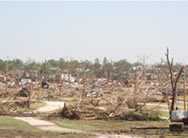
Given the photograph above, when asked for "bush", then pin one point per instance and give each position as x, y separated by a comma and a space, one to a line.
140, 116
132, 116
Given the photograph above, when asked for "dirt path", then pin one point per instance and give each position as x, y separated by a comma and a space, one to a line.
50, 107
49, 126
46, 125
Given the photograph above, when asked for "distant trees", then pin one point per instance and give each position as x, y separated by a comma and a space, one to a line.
121, 69
106, 69
2, 65
97, 68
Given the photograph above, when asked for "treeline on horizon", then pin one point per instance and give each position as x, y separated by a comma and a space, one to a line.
105, 68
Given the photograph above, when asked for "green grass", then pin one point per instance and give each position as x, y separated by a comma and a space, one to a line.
11, 123
10, 127
157, 128
107, 126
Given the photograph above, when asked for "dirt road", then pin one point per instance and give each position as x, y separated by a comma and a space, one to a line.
50, 106
46, 125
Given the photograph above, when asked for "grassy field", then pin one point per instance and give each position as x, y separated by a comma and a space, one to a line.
108, 126
12, 128
149, 129
10, 123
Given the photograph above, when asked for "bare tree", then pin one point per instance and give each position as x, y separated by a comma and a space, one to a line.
173, 80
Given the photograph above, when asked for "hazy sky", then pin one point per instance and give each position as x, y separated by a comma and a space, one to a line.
86, 30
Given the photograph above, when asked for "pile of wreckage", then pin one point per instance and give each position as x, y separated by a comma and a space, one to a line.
95, 97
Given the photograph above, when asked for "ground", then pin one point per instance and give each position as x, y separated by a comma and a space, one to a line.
92, 129
116, 126
13, 128
57, 127
149, 129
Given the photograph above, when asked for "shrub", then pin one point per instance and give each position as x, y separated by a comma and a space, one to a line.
140, 116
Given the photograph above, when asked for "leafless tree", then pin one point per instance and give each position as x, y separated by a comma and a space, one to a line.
173, 80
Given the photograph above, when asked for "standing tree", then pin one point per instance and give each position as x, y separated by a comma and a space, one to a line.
174, 80
107, 68
121, 69
97, 68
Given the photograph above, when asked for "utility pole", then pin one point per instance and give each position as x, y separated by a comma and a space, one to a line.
184, 87
46, 78
6, 75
